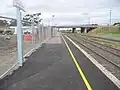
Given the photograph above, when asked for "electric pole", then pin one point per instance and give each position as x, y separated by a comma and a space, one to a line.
110, 17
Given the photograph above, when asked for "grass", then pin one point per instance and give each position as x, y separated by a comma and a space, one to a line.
117, 46
112, 32
105, 29
109, 33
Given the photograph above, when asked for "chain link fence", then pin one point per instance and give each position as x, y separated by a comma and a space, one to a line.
33, 37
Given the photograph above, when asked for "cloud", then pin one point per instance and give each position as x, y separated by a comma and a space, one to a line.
68, 11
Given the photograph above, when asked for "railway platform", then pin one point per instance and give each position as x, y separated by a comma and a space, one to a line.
57, 65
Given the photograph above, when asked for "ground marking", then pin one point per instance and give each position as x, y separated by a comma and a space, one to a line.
97, 64
78, 67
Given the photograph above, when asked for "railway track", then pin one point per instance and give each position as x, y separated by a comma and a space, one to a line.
118, 41
109, 49
98, 51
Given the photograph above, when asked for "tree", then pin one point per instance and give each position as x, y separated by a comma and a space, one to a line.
29, 18
73, 30
4, 23
117, 23
13, 22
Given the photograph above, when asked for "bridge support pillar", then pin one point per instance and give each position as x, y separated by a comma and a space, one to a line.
85, 31
82, 29
58, 29
73, 30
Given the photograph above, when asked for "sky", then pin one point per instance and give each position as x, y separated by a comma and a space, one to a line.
68, 12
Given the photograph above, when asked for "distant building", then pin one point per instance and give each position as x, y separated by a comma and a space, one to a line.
24, 28
5, 30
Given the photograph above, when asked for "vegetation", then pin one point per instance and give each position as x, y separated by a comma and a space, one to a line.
4, 23
13, 23
29, 18
116, 24
107, 30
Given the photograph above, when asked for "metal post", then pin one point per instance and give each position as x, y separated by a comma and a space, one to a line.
110, 17
51, 31
32, 26
19, 38
53, 25
45, 33
39, 27
89, 19
41, 33
49, 22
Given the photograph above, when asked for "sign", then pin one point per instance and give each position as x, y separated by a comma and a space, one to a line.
18, 4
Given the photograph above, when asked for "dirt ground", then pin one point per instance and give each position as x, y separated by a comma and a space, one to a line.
8, 51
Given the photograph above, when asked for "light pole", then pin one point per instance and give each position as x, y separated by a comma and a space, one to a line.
110, 18
53, 25
89, 18
48, 22
52, 19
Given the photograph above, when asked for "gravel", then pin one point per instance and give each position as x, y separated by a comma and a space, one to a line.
104, 47
114, 44
112, 68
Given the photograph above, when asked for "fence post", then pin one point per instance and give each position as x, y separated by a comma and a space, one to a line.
19, 37
20, 7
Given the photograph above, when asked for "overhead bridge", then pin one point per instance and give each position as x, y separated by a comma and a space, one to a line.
84, 28
77, 26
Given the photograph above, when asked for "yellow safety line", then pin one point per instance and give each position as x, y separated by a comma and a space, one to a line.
78, 67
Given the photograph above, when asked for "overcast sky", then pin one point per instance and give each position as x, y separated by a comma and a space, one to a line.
68, 11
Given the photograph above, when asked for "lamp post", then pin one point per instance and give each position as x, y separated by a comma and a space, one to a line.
89, 18
53, 19
53, 25
110, 18
39, 29
48, 22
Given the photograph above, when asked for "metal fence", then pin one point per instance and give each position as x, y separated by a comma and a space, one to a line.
33, 37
